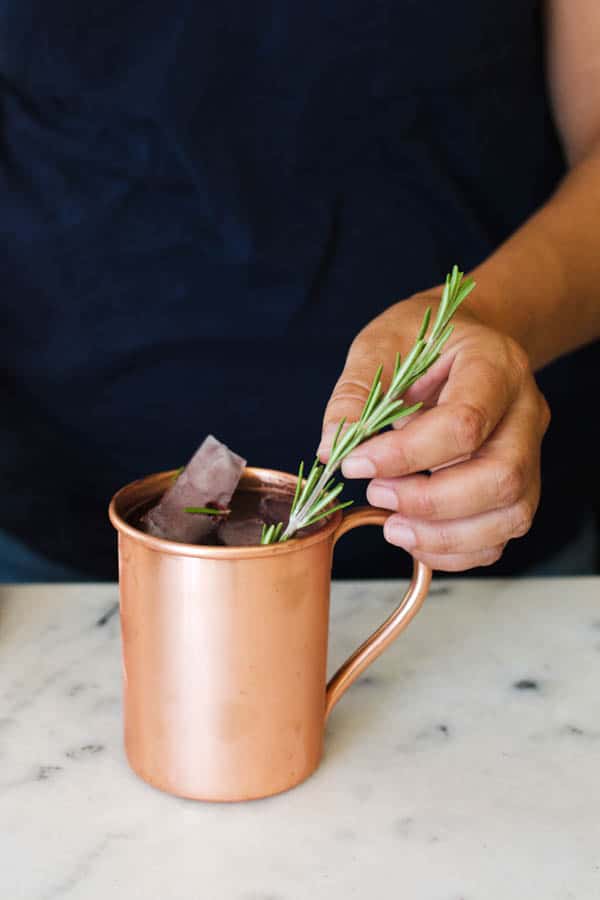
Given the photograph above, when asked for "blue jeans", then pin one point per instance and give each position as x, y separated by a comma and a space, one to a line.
20, 564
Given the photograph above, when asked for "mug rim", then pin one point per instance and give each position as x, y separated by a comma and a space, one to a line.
144, 488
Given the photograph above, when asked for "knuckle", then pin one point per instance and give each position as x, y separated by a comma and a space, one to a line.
444, 541
511, 480
423, 505
394, 458
470, 427
491, 555
486, 370
519, 357
545, 413
521, 518
348, 389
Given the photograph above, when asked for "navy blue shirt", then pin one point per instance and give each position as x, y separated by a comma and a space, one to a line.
200, 206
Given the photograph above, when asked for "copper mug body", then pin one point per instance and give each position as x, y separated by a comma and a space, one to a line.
225, 651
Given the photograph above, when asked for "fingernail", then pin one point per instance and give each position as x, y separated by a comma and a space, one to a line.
327, 436
400, 534
381, 495
358, 467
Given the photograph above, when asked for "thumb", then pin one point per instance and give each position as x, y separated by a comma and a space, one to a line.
348, 397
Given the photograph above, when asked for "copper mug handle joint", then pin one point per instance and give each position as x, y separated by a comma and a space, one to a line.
377, 642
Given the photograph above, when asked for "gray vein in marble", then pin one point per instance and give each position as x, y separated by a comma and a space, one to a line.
82, 869
109, 702
527, 684
108, 615
45, 772
34, 694
369, 681
403, 827
440, 590
86, 750
567, 731
436, 734
78, 688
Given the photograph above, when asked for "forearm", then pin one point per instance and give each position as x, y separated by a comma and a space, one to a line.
542, 286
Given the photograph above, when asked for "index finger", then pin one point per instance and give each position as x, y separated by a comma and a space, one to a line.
470, 406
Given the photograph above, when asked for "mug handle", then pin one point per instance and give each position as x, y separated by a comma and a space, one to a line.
377, 642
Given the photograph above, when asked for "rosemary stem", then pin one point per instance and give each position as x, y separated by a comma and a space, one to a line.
297, 516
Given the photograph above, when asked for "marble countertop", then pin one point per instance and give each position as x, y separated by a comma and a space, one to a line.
463, 766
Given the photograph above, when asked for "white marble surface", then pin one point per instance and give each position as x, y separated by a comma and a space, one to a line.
443, 778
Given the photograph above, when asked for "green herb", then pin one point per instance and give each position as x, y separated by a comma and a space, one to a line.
314, 497
206, 511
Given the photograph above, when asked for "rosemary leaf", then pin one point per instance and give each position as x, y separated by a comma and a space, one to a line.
326, 499
337, 434
328, 512
311, 481
424, 325
384, 412
373, 395
299, 483
350, 440
407, 411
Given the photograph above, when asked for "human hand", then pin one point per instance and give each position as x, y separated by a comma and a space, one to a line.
479, 433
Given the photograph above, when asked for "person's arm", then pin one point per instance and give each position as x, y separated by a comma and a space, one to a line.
538, 296
543, 285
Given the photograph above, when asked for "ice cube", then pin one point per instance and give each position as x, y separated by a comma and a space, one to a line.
209, 479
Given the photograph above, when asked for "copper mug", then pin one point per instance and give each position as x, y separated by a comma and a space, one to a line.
225, 651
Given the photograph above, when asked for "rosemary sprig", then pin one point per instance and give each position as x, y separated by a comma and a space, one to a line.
314, 496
